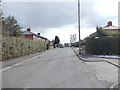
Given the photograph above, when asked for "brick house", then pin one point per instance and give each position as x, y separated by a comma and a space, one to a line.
28, 34
32, 36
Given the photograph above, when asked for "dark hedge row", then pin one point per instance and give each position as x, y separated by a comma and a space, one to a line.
13, 47
103, 45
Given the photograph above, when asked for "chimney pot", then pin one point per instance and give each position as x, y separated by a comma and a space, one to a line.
110, 23
28, 29
39, 34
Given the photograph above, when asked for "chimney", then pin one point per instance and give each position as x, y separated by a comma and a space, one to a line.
39, 34
110, 23
28, 29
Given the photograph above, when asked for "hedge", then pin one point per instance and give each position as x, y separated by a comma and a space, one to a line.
103, 45
13, 47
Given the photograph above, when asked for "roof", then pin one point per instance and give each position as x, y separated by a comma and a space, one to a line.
111, 27
31, 33
26, 32
41, 37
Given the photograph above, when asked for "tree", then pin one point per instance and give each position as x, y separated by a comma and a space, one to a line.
57, 40
5, 31
73, 38
12, 26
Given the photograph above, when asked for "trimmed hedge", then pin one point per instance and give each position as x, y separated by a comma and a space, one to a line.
13, 47
103, 45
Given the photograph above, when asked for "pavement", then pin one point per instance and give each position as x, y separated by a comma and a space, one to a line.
92, 58
101, 66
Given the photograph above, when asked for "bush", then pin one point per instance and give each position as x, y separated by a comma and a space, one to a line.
13, 47
103, 45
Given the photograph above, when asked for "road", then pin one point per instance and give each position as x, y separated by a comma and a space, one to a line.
57, 68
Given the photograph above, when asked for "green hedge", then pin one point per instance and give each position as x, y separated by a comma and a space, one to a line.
13, 47
103, 45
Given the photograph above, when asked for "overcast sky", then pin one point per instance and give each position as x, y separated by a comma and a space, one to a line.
52, 17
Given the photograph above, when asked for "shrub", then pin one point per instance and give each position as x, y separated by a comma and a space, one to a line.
103, 45
13, 47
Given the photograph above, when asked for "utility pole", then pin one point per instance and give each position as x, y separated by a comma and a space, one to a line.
79, 24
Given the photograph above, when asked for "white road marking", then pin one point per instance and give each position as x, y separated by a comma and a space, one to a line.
5, 68
20, 63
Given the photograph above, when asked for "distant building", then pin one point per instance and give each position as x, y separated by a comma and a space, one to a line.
32, 36
103, 41
108, 30
110, 27
28, 34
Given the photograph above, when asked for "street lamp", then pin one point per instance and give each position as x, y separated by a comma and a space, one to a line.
79, 24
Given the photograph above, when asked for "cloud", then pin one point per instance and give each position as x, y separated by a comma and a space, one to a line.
56, 14
107, 7
43, 14
98, 12
65, 31
60, 18
39, 0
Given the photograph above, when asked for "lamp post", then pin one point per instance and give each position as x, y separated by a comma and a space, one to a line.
79, 24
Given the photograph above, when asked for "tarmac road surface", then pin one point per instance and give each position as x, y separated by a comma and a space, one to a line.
57, 68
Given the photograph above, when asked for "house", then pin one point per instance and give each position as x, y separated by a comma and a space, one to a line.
32, 36
108, 30
28, 34
110, 27
103, 41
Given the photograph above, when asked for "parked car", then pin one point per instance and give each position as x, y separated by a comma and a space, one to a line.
61, 45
